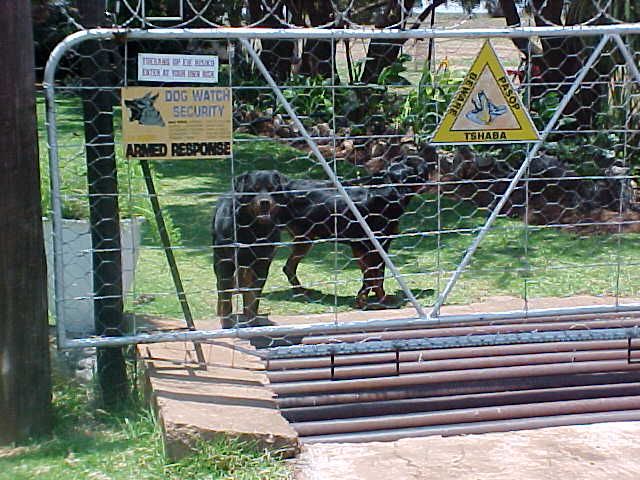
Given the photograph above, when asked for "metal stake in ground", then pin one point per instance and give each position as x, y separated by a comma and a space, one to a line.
171, 259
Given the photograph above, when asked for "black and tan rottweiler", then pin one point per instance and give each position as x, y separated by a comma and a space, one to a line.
244, 238
314, 209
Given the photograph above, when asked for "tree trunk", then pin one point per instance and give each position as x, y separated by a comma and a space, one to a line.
25, 376
561, 61
382, 53
318, 55
277, 55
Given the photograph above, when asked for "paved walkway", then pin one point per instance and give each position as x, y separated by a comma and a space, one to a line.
605, 451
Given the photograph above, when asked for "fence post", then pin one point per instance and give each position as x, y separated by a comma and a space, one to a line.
104, 209
25, 377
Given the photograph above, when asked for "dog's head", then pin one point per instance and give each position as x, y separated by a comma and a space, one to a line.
142, 110
413, 170
259, 193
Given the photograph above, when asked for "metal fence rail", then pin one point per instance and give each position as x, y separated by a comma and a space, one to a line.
511, 202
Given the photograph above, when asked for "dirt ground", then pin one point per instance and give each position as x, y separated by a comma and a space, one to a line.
455, 52
461, 52
502, 303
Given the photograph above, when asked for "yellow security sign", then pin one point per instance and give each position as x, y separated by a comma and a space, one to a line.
176, 122
486, 108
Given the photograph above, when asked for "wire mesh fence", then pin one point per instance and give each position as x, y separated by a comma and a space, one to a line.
333, 212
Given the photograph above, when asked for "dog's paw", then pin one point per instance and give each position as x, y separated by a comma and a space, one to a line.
305, 292
227, 322
260, 322
361, 303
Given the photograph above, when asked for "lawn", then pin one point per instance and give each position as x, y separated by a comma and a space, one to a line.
88, 443
513, 260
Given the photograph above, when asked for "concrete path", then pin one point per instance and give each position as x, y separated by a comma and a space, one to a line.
605, 451
230, 397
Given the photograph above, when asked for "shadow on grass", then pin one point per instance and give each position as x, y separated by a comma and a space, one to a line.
57, 449
193, 222
392, 301
310, 296
82, 436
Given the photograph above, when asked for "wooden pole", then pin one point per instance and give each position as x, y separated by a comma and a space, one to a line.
102, 179
25, 376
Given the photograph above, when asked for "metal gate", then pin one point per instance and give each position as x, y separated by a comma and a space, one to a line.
555, 219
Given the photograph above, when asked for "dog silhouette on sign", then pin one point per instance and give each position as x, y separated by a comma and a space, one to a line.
142, 110
484, 111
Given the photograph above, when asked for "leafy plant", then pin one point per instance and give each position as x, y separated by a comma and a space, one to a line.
311, 97
424, 106
391, 75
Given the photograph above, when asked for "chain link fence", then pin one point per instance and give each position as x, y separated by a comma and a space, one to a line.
365, 226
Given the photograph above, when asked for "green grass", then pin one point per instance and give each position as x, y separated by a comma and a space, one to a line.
543, 262
513, 259
89, 443
72, 167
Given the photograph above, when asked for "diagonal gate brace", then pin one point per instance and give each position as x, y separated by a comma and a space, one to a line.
523, 168
332, 176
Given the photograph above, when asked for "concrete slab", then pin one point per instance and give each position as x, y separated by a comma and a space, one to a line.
229, 396
585, 452
232, 397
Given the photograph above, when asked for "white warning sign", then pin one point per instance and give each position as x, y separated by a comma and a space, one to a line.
486, 107
164, 67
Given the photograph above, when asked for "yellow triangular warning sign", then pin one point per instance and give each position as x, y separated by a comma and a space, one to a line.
486, 108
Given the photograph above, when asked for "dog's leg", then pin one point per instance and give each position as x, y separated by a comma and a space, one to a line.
246, 280
253, 286
378, 277
224, 309
372, 274
224, 269
250, 298
290, 269
360, 253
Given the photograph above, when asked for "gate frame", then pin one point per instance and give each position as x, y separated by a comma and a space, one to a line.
607, 32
